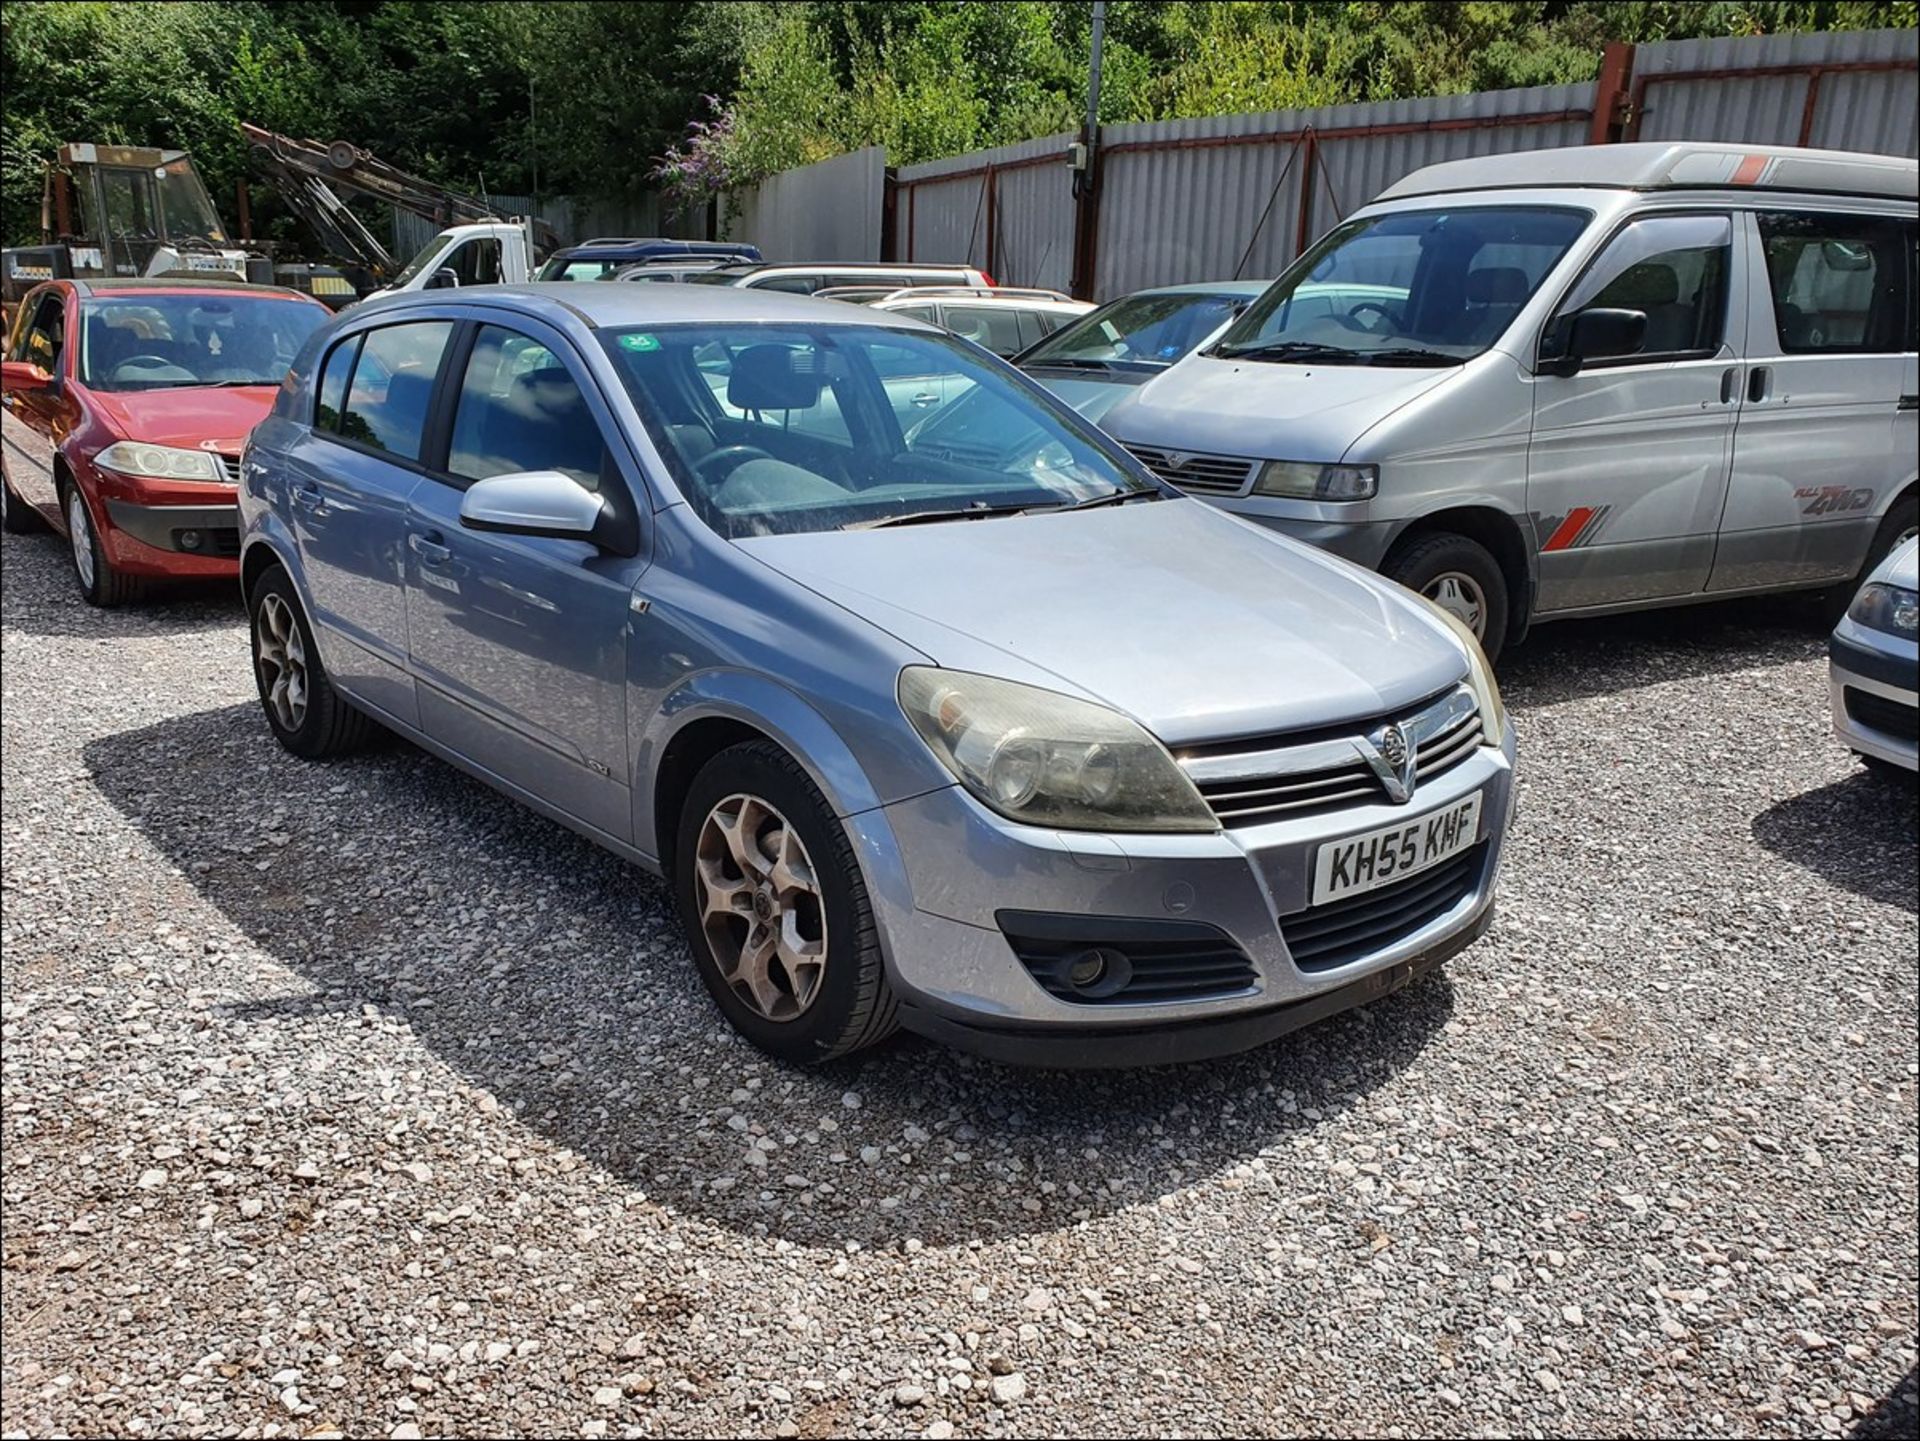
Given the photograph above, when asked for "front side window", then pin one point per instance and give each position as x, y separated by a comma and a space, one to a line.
45, 335
1142, 332
1840, 283
1410, 287
1671, 268
521, 409
166, 342
392, 386
784, 429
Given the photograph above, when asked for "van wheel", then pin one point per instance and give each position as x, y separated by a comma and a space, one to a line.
1460, 576
304, 711
100, 584
776, 911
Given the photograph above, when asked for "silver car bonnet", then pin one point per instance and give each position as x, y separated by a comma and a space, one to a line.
1901, 567
1263, 409
1092, 398
1195, 623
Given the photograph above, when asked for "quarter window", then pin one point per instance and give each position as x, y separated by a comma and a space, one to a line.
521, 409
392, 386
1840, 283
1673, 269
333, 383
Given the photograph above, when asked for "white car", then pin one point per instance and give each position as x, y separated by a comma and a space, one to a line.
1874, 656
1002, 319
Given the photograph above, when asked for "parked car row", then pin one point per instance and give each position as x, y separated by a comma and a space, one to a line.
938, 704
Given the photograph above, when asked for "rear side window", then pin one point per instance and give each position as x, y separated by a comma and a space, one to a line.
1840, 283
790, 284
521, 409
333, 383
392, 386
992, 327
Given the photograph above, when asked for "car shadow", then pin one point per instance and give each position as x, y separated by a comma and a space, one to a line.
1575, 659
1858, 833
38, 596
553, 976
1896, 1414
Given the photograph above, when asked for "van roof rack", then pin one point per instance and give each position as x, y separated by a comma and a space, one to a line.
990, 292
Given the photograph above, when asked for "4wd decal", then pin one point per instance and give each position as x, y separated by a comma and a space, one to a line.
1832, 499
1576, 528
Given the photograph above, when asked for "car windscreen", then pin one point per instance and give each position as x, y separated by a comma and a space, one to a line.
1409, 287
162, 342
773, 430
1140, 331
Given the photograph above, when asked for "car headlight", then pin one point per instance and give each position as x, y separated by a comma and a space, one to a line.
1047, 759
1304, 480
159, 462
1486, 690
1890, 608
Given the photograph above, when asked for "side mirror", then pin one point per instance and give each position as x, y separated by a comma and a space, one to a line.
1599, 334
533, 502
445, 278
25, 375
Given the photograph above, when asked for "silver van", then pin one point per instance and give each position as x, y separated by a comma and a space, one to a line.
1573, 381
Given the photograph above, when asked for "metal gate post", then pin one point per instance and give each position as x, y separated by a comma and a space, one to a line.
1610, 92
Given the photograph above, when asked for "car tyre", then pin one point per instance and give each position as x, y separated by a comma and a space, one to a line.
304, 712
100, 584
776, 911
1460, 575
16, 516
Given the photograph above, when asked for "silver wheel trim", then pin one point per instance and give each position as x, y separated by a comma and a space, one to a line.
1906, 535
1460, 596
281, 654
80, 532
760, 907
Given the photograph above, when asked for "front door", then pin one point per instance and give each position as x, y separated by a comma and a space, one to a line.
1627, 469
36, 421
519, 643
1822, 436
350, 477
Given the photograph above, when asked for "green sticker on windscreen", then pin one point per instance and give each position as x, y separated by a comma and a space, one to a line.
639, 342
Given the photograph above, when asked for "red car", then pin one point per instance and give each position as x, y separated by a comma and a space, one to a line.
127, 403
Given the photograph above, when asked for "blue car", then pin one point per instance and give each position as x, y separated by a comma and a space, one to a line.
996, 737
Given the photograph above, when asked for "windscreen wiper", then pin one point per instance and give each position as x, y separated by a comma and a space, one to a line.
1115, 497
1412, 355
929, 517
1075, 362
1290, 350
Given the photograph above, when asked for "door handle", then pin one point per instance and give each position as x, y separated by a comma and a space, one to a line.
429, 549
1760, 383
926, 398
308, 498
1729, 383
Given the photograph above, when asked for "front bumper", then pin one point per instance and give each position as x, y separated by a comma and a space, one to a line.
959, 979
1872, 689
202, 531
1324, 526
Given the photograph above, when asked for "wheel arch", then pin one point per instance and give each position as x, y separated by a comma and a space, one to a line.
1501, 534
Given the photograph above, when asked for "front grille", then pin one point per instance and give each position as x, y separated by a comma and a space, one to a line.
229, 467
1281, 778
1164, 960
1879, 713
1341, 932
1201, 474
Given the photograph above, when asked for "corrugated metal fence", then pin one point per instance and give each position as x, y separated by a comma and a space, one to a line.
829, 210
1241, 195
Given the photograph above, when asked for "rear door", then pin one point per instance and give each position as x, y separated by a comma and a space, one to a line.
350, 476
1823, 442
1627, 468
519, 643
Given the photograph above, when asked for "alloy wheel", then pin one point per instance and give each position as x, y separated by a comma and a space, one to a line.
282, 656
761, 907
80, 532
1460, 596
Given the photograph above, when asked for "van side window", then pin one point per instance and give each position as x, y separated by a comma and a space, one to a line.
521, 409
1672, 268
333, 383
1840, 283
392, 386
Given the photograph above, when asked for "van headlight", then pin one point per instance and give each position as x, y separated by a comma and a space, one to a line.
1047, 759
1305, 480
1486, 691
1890, 608
159, 462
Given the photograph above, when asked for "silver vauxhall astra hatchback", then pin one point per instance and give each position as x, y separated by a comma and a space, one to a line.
977, 729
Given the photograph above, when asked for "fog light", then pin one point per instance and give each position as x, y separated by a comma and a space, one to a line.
189, 539
1087, 967
1097, 972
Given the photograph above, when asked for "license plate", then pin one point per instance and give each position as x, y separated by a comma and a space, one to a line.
1357, 864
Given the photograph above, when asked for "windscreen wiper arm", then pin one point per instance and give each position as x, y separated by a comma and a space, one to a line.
1289, 350
1411, 355
929, 517
1115, 497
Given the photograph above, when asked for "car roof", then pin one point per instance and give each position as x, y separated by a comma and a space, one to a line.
1658, 166
170, 285
655, 248
626, 305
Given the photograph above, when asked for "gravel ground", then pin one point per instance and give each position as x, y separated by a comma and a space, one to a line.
356, 1099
